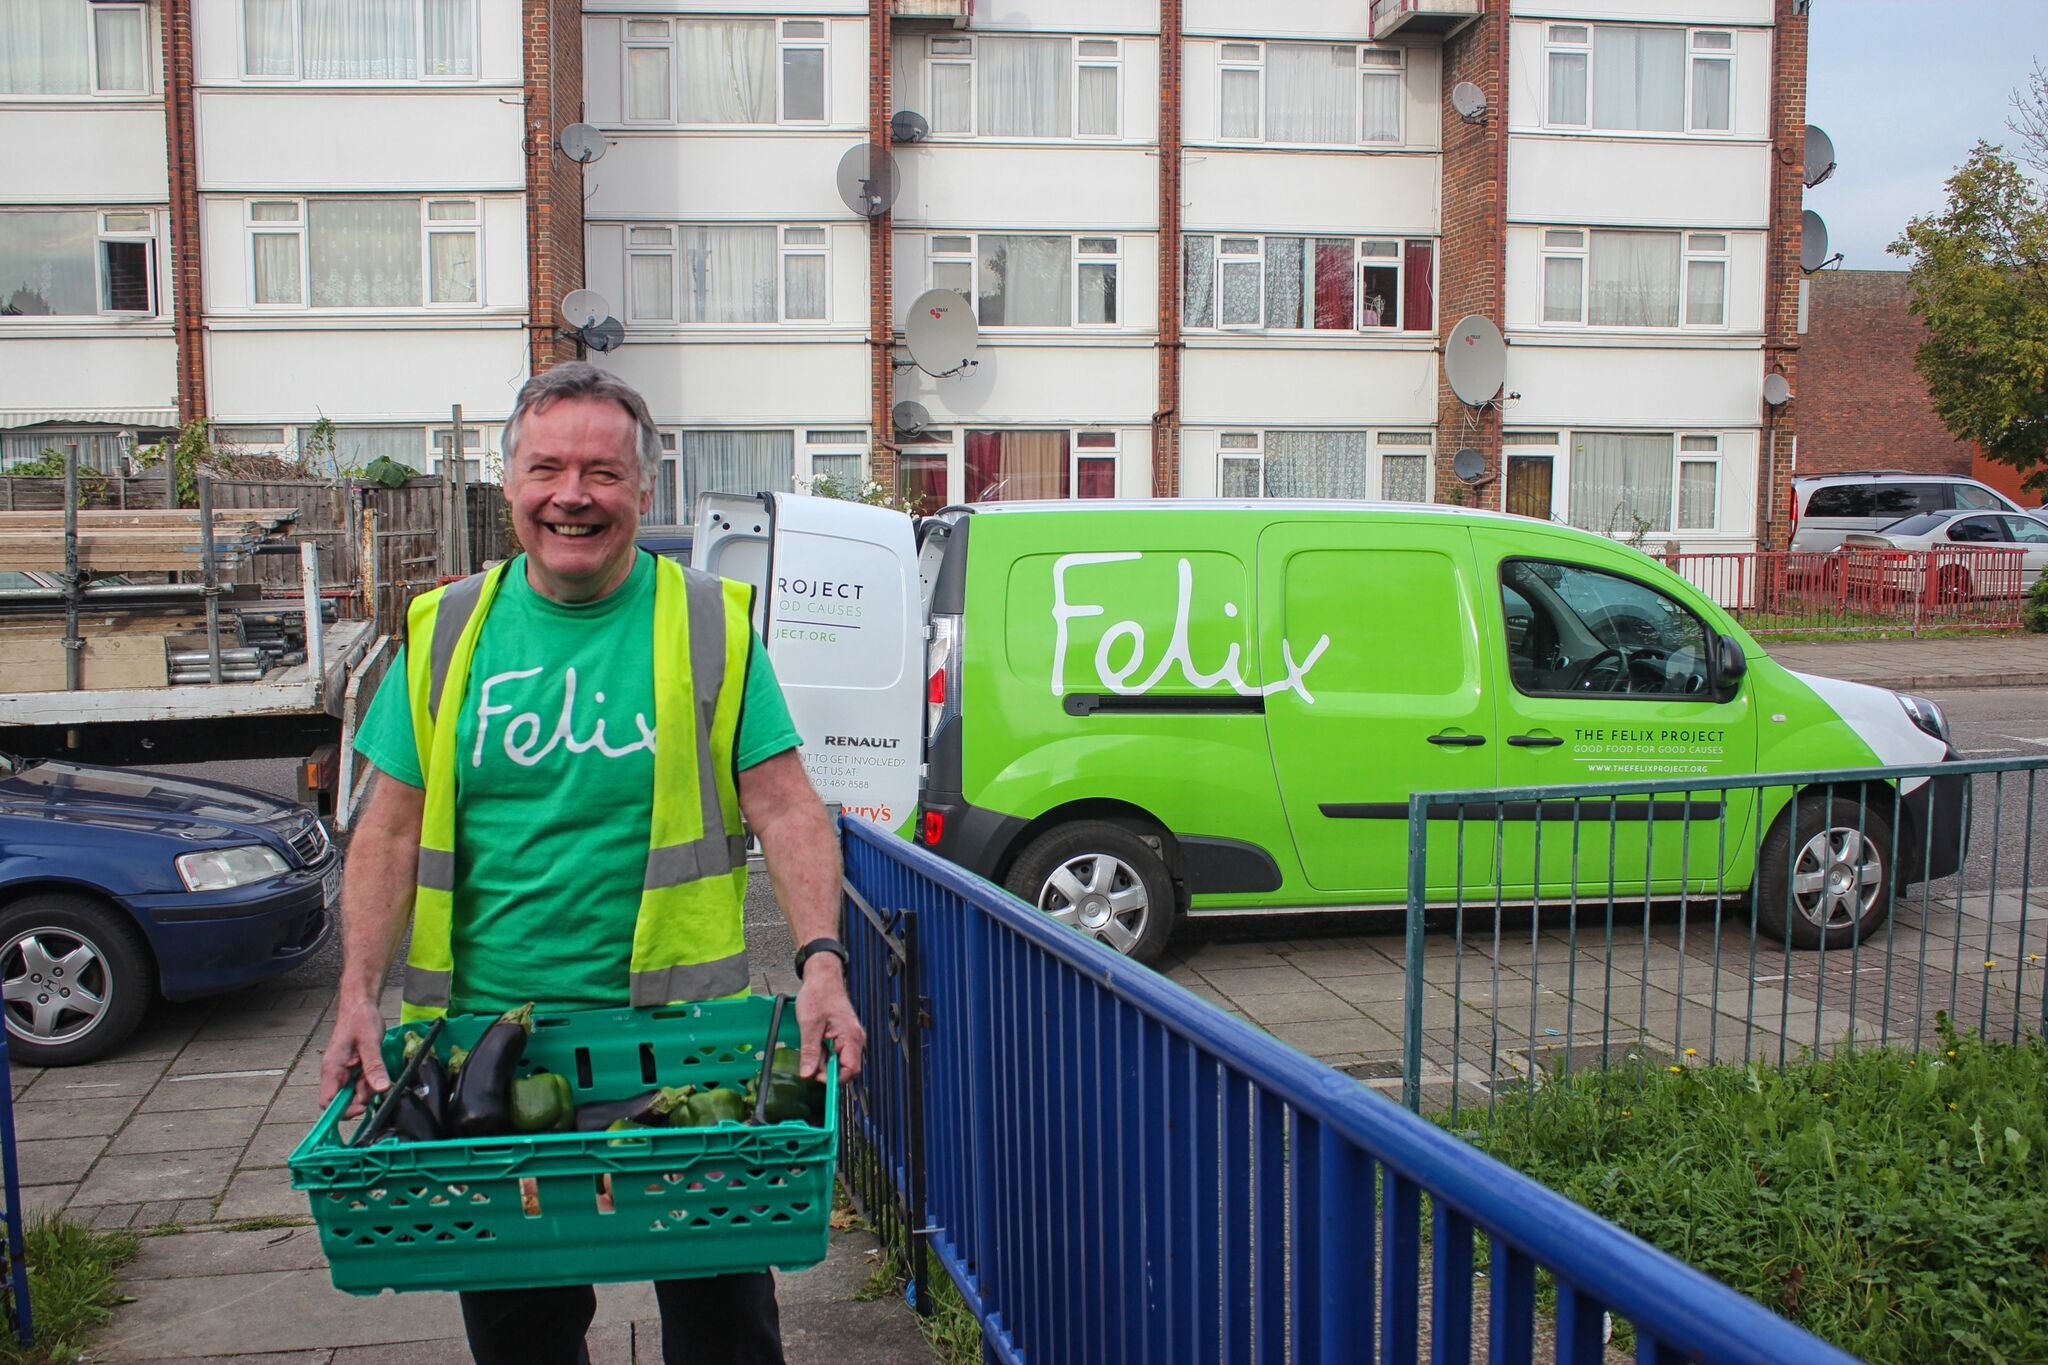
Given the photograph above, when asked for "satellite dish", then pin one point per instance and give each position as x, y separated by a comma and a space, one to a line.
941, 332
584, 308
1468, 464
1475, 360
1820, 156
1468, 100
1776, 391
604, 335
907, 125
1813, 241
582, 143
868, 193
910, 418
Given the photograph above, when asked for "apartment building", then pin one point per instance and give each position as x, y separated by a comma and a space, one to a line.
1213, 249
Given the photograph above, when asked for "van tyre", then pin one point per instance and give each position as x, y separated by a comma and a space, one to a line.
1841, 873
76, 978
1103, 880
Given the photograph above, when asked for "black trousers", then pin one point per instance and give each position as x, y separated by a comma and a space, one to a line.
719, 1320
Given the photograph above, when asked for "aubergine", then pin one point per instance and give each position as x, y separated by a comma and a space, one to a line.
428, 1092
650, 1110
481, 1103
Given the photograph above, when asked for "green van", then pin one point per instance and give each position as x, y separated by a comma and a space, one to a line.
1139, 710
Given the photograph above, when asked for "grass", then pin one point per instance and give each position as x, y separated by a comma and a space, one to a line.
70, 1289
950, 1328
1888, 1202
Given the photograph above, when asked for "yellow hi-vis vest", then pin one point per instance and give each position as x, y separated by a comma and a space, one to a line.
688, 941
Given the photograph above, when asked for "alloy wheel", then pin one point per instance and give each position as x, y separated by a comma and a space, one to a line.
54, 985
1099, 894
1837, 878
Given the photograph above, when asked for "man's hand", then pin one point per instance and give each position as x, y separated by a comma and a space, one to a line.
824, 1011
357, 1040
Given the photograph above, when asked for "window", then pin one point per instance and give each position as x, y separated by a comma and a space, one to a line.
1007, 466
355, 447
2026, 530
1699, 483
1635, 279
441, 438
1639, 78
1572, 630
1030, 279
77, 263
1323, 284
70, 47
1394, 466
1626, 484
106, 451
736, 462
1095, 464
1320, 94
725, 71
1888, 500
1013, 86
1977, 531
359, 40
365, 253
710, 274
838, 458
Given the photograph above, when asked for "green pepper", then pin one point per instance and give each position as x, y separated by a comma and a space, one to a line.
540, 1101
709, 1108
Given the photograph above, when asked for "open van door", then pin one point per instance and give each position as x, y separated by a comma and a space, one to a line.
836, 600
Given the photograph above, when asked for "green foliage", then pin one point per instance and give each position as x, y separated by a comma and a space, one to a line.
1888, 1202
1979, 278
389, 472
71, 1289
48, 465
189, 453
2035, 611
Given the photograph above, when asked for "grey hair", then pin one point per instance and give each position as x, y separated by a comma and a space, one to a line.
576, 379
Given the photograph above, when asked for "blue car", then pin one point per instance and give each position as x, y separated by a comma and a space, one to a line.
118, 885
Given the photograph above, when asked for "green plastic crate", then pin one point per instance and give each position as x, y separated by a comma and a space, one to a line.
531, 1210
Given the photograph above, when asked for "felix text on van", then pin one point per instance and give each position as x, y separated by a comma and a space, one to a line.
1117, 677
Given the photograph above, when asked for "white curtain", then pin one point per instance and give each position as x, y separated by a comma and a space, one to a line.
451, 36
46, 265
364, 253
728, 274
277, 267
1097, 292
42, 47
651, 294
1710, 93
1311, 92
1635, 279
1198, 282
1564, 284
728, 71
648, 84
1024, 281
803, 83
1289, 295
453, 257
736, 462
1237, 477
1404, 478
117, 38
1639, 78
1621, 483
1706, 288
358, 40
1239, 116
1318, 464
1384, 95
267, 37
1098, 101
1699, 490
101, 450
1568, 89
952, 97
1026, 88
803, 287
355, 447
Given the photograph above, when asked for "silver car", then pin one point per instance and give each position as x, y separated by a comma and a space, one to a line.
1973, 555
1827, 507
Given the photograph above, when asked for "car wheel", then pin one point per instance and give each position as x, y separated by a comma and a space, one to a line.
1103, 880
1840, 876
76, 978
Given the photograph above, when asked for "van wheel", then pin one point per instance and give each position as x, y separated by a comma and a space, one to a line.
1103, 880
75, 978
1840, 877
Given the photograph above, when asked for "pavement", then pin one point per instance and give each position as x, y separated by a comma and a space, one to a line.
183, 1136
1927, 665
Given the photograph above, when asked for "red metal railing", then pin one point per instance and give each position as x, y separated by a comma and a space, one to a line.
1862, 591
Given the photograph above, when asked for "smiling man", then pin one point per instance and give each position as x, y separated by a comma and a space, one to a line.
562, 759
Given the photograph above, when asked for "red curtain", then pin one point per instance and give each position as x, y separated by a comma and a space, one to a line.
1335, 309
1418, 289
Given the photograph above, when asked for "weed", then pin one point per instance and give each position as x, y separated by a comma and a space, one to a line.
70, 1288
1888, 1203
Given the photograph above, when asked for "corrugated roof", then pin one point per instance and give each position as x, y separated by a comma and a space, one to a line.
107, 417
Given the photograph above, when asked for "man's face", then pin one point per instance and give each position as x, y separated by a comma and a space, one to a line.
574, 488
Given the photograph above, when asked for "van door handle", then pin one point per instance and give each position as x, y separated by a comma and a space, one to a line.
1463, 741
1535, 741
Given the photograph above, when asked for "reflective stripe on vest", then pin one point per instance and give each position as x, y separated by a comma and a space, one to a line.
688, 941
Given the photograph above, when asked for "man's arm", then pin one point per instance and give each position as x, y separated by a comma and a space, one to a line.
376, 901
803, 863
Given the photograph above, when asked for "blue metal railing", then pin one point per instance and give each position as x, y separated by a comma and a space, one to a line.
15, 1268
1117, 1170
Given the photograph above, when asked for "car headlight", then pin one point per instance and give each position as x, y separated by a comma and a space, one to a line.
1925, 714
217, 869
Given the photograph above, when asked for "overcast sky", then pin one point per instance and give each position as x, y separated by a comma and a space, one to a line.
1905, 87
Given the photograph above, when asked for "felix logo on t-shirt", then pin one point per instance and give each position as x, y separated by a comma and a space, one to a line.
520, 734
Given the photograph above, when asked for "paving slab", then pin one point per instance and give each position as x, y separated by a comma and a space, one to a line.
237, 1055
190, 1255
73, 1118
146, 1177
57, 1161
1295, 1007
272, 1358
103, 1080
186, 1130
1236, 981
273, 1143
201, 1090
261, 1194
211, 1317
46, 1199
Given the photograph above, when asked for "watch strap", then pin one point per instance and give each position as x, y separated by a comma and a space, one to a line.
815, 946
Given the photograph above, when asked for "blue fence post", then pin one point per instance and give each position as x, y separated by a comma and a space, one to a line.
17, 1248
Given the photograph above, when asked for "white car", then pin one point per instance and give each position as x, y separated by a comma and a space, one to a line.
1952, 555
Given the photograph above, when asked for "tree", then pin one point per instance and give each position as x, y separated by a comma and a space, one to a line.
1979, 280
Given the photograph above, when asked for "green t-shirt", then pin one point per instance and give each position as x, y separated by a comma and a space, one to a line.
555, 789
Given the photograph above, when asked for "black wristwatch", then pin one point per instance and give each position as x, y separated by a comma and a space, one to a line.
819, 945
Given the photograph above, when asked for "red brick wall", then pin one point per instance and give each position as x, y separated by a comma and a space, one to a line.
1472, 253
1864, 406
553, 42
184, 210
1781, 270
1166, 420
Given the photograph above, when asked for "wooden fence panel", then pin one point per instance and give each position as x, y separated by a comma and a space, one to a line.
21, 493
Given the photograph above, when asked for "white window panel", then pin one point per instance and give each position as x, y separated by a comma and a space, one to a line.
804, 288
359, 40
1621, 483
803, 71
1314, 94
1639, 78
715, 72
727, 274
365, 253
72, 48
77, 263
1031, 279
1012, 86
1284, 283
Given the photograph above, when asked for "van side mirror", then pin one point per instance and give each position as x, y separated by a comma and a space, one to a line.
1730, 663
